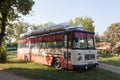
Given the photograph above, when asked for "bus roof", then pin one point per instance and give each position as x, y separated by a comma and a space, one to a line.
53, 28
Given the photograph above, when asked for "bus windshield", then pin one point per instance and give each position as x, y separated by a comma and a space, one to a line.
83, 40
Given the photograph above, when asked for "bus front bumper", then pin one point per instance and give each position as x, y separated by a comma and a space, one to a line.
85, 66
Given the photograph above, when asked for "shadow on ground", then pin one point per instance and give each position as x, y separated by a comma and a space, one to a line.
60, 74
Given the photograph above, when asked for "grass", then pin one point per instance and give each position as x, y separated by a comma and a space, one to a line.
115, 60
36, 71
110, 59
11, 54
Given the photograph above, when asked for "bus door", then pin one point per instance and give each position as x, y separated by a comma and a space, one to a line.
67, 53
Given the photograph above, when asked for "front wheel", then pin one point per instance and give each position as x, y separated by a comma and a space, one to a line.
56, 63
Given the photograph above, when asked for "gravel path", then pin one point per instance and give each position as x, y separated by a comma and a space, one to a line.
10, 76
110, 68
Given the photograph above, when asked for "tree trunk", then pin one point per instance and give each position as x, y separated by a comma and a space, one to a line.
2, 28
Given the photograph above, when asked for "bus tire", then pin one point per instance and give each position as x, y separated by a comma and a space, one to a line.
26, 58
56, 63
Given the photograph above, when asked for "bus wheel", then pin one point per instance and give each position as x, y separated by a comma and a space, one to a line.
56, 63
26, 58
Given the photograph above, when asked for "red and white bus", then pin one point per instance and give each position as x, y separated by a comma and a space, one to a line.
60, 46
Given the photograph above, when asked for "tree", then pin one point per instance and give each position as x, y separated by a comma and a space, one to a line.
35, 27
9, 33
48, 24
10, 11
86, 22
19, 28
97, 37
13, 31
113, 32
22, 27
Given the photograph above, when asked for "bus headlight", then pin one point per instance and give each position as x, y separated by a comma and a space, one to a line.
79, 58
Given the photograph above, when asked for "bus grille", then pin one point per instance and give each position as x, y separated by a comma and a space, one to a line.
89, 56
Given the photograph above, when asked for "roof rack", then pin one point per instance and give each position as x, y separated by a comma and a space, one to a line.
54, 28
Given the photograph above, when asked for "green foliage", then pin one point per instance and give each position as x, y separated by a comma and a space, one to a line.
10, 10
11, 55
22, 27
9, 33
97, 37
12, 44
86, 22
112, 60
113, 32
3, 53
14, 7
44, 25
19, 28
105, 54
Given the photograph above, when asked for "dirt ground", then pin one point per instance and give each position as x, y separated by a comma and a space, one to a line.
10, 76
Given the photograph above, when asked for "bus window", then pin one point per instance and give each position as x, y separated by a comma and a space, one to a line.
90, 39
83, 43
90, 43
76, 42
67, 40
59, 44
79, 40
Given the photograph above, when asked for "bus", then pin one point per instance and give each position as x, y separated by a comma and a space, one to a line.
60, 46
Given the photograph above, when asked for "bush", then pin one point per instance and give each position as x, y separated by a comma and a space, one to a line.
3, 53
105, 55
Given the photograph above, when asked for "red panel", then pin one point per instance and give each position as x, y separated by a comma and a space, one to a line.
24, 41
57, 37
90, 36
65, 65
49, 38
81, 35
32, 41
41, 59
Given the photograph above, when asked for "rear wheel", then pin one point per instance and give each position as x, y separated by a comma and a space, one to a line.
56, 63
26, 58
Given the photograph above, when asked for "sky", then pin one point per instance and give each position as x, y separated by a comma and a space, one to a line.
103, 12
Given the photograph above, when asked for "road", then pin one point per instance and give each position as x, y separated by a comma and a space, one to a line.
110, 68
